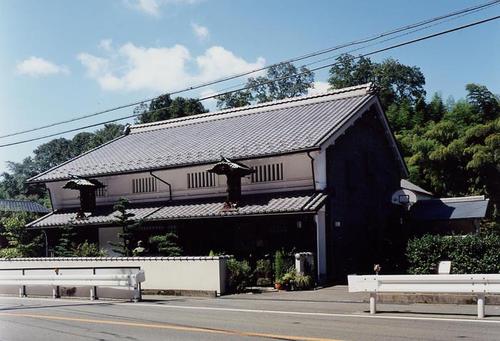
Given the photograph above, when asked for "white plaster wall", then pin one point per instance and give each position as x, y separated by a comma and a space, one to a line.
162, 273
296, 171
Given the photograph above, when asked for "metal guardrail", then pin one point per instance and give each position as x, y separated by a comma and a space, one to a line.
131, 281
478, 284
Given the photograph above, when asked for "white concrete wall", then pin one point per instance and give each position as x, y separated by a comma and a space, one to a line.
296, 171
162, 273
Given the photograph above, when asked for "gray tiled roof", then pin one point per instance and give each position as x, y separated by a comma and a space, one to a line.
412, 187
255, 206
267, 129
22, 206
297, 202
450, 208
103, 215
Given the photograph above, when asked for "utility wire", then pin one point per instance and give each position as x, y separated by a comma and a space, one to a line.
460, 13
270, 81
235, 86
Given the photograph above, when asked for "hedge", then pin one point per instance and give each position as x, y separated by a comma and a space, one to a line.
468, 254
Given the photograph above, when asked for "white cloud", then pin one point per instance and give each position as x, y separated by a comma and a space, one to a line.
106, 44
162, 69
319, 88
200, 31
153, 7
37, 67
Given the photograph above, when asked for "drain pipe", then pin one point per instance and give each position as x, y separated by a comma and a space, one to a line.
312, 169
166, 183
50, 197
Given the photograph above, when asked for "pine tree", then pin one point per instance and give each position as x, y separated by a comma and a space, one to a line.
167, 244
66, 247
128, 225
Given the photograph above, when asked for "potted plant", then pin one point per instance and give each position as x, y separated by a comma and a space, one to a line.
278, 284
288, 280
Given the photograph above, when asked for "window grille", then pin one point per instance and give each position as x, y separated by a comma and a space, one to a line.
144, 185
101, 192
269, 172
201, 180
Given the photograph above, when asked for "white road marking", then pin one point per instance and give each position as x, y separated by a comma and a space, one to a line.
260, 311
301, 313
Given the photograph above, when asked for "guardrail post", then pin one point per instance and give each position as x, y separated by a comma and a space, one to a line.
93, 291
480, 306
137, 293
22, 288
373, 303
55, 292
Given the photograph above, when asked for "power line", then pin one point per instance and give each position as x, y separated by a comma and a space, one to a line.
358, 49
459, 13
270, 81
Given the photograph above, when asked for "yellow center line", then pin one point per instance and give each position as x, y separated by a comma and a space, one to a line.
169, 326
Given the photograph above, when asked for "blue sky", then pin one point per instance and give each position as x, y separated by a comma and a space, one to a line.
61, 59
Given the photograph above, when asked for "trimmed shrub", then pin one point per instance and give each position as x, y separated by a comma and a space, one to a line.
87, 249
263, 273
264, 282
239, 275
468, 254
279, 265
166, 245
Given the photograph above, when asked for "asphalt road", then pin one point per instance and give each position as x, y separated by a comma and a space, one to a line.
243, 317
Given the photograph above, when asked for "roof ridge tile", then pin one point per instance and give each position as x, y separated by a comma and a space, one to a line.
368, 89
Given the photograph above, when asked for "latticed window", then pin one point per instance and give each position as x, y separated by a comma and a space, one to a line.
269, 172
201, 180
101, 192
144, 185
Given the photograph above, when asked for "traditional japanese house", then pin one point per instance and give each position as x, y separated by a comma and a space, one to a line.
312, 173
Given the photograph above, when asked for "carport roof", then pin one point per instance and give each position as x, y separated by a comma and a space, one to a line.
450, 208
284, 203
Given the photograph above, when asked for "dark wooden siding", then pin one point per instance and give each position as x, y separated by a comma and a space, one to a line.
362, 174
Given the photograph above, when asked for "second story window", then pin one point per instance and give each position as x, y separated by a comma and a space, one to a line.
201, 180
144, 185
101, 192
269, 172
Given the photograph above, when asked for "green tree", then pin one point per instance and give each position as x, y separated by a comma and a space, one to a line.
460, 153
483, 100
167, 244
66, 245
397, 82
271, 87
87, 249
13, 182
20, 241
163, 108
128, 226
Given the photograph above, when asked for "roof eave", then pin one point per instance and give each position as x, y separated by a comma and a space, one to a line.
100, 175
